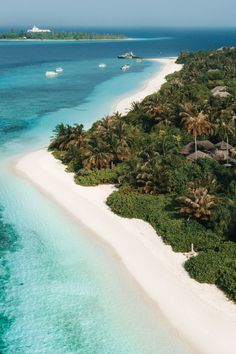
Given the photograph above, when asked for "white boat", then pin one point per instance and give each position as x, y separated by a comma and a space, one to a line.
59, 70
129, 55
51, 74
102, 66
125, 67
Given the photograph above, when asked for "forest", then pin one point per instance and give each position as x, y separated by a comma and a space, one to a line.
173, 160
22, 35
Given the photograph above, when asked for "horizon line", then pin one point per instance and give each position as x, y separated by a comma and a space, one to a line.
123, 26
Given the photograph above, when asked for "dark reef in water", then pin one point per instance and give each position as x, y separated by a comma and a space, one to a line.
14, 128
9, 242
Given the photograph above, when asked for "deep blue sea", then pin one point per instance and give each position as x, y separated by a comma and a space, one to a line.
62, 292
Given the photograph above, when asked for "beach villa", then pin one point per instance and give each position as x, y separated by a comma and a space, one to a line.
38, 30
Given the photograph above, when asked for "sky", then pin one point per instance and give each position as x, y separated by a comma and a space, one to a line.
181, 13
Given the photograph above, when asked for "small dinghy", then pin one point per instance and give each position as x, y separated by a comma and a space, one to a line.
102, 66
125, 67
51, 74
59, 70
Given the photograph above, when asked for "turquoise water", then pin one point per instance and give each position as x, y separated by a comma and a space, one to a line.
63, 291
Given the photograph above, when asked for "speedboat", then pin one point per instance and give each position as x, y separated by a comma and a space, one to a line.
51, 74
102, 66
125, 67
59, 70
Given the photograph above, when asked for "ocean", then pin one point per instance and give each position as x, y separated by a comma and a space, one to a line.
62, 291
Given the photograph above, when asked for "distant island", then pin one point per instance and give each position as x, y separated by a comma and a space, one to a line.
36, 33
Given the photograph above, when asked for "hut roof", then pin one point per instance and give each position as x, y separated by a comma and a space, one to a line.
222, 145
204, 145
220, 155
213, 70
187, 149
199, 155
220, 91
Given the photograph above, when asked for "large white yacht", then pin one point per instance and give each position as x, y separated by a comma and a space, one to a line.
35, 29
128, 55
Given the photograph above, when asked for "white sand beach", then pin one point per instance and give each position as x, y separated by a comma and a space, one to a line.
168, 66
199, 313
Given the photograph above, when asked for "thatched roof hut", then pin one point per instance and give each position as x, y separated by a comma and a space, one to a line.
199, 155
220, 91
210, 71
222, 145
204, 145
187, 149
220, 155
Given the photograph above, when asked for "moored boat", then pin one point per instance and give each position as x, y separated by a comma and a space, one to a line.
51, 74
125, 67
128, 55
59, 70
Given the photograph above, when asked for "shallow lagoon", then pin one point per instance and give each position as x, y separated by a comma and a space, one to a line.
62, 290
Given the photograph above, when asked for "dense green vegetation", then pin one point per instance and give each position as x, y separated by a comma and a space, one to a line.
173, 158
58, 35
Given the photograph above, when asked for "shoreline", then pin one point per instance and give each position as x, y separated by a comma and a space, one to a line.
200, 313
169, 66
63, 40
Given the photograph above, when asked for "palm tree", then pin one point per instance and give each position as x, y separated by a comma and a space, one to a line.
198, 204
66, 135
62, 136
121, 138
228, 128
136, 107
104, 124
120, 129
227, 124
97, 158
154, 108
117, 115
96, 152
114, 136
120, 150
76, 136
196, 125
148, 173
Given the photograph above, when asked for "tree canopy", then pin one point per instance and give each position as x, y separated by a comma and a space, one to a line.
173, 155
